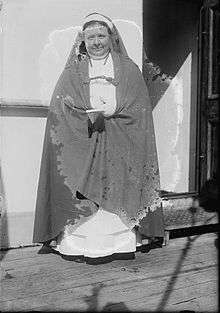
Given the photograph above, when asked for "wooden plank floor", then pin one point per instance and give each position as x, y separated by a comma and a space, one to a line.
180, 276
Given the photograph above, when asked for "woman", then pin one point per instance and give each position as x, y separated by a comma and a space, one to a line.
99, 176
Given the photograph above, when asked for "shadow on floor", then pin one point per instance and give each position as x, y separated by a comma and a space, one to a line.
188, 232
92, 302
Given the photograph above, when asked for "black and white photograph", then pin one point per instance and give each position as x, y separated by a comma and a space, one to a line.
109, 155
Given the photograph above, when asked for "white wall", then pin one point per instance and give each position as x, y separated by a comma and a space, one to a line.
21, 153
172, 130
21, 149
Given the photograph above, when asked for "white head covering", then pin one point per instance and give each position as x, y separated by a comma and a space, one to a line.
98, 17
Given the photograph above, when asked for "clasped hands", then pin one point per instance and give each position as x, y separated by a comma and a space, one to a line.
97, 115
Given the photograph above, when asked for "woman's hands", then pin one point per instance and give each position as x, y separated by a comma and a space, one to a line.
93, 114
96, 121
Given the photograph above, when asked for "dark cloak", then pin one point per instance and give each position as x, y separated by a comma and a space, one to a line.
112, 163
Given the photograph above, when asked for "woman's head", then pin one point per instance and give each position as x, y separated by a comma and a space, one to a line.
97, 38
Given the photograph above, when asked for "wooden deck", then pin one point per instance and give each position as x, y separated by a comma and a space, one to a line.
180, 276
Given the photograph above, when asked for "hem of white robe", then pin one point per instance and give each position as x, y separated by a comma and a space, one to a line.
93, 240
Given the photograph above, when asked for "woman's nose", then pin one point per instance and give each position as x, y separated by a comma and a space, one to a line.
96, 41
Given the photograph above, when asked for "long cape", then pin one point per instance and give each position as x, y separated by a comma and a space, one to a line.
112, 163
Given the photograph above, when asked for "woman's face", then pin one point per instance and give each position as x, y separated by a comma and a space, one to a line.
97, 40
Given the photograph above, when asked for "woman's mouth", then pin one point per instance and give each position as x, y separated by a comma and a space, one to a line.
98, 49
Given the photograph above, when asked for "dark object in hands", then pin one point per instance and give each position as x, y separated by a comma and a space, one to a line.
97, 125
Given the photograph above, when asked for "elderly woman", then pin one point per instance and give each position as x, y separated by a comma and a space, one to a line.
99, 178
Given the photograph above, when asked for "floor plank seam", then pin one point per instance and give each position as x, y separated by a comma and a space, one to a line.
107, 286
